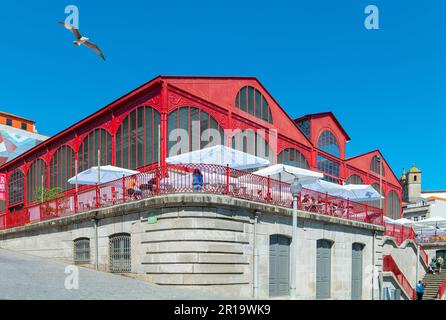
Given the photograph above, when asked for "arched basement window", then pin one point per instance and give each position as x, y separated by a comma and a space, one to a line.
375, 165
16, 187
62, 168
355, 179
293, 158
393, 205
99, 139
250, 100
251, 142
82, 251
191, 129
35, 179
327, 142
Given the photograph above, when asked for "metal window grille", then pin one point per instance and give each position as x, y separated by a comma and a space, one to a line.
62, 168
250, 100
34, 179
330, 167
355, 179
82, 250
137, 139
16, 187
393, 205
375, 166
98, 139
328, 143
294, 158
186, 119
120, 253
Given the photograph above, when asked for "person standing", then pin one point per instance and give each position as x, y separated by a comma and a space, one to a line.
420, 290
198, 180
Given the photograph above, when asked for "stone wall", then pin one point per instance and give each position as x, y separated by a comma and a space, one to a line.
207, 242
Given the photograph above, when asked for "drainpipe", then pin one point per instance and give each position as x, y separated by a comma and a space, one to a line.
418, 264
373, 265
96, 243
255, 289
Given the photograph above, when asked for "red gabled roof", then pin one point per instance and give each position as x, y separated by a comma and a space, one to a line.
324, 114
83, 121
376, 151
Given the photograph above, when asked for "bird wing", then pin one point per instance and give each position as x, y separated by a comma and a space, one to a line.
95, 48
72, 29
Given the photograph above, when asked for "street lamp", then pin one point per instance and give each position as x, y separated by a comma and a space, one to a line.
378, 157
296, 188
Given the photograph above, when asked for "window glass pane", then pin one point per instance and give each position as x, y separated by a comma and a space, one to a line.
140, 138
258, 104
329, 167
157, 124
294, 158
125, 143
251, 100
194, 134
62, 168
243, 99
328, 143
150, 128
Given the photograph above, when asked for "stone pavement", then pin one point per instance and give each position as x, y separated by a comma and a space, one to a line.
24, 277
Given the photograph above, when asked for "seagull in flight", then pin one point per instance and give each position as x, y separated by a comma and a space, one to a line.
81, 40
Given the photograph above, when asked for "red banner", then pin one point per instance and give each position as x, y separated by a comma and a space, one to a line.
2, 187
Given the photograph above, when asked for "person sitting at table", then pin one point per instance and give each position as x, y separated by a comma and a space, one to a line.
133, 189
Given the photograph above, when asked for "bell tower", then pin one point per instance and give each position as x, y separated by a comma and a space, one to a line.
414, 184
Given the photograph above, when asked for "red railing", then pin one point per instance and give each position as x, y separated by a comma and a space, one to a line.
424, 255
173, 179
389, 265
442, 290
401, 233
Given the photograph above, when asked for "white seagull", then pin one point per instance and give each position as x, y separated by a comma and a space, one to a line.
81, 40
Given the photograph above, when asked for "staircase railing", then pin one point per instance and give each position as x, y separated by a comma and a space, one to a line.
442, 289
390, 265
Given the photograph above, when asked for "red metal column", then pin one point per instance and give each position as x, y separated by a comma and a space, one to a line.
164, 133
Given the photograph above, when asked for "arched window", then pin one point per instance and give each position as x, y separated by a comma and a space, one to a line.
355, 179
35, 179
191, 129
120, 253
98, 139
328, 143
62, 168
251, 142
82, 251
293, 158
377, 203
250, 100
16, 188
375, 165
137, 139
393, 205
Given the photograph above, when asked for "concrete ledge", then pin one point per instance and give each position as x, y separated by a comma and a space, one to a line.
390, 276
186, 199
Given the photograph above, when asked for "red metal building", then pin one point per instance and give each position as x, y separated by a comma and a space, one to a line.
138, 131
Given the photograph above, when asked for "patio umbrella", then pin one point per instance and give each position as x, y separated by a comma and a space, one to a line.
220, 155
103, 174
363, 192
287, 174
359, 194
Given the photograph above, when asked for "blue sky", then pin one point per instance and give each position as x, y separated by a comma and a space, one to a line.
386, 86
